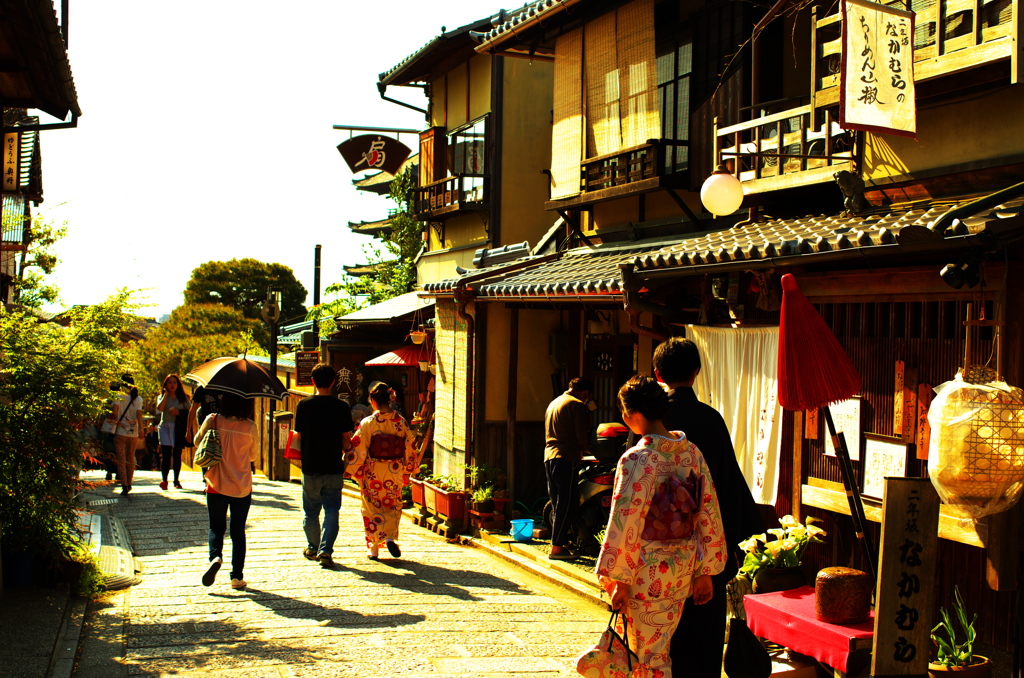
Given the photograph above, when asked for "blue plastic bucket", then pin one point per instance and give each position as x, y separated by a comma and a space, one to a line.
522, 529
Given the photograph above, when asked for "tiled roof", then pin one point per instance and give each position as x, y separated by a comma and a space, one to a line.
528, 15
434, 45
372, 228
810, 235
582, 271
386, 311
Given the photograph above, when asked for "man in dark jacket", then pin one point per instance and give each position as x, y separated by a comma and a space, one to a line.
699, 640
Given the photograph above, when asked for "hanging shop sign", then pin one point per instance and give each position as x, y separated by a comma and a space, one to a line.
877, 81
10, 167
374, 152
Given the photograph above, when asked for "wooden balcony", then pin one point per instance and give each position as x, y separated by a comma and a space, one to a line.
450, 196
634, 170
786, 149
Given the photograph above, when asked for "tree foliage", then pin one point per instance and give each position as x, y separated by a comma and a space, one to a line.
31, 289
194, 334
53, 379
242, 284
393, 261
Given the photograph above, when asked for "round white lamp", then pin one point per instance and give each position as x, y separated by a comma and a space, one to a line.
722, 193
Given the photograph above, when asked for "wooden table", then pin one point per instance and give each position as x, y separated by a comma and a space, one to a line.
787, 618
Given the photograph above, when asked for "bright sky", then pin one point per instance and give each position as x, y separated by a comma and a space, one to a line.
206, 135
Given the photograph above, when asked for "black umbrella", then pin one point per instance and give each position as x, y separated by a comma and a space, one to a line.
240, 376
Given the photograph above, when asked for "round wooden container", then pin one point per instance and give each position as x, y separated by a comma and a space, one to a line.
842, 595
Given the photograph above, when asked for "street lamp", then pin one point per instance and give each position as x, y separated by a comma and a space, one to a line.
722, 193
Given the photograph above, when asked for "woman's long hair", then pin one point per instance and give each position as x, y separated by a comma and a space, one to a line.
380, 394
179, 393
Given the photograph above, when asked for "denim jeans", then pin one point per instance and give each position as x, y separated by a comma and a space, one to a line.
217, 506
321, 490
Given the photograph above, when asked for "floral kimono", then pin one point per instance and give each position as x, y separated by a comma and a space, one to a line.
652, 498
382, 457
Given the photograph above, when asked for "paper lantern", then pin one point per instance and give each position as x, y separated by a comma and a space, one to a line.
722, 193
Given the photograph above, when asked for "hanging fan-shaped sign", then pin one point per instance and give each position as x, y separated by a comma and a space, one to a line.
374, 152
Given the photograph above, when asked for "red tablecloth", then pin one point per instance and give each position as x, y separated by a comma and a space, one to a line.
787, 618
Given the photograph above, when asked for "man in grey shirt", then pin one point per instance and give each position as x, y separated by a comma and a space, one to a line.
566, 440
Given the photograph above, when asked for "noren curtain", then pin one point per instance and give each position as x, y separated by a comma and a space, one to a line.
739, 378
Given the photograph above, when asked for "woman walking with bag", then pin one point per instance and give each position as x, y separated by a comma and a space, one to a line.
128, 415
229, 482
664, 538
382, 458
172, 405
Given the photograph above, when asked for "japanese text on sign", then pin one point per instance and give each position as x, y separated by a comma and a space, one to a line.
878, 69
10, 167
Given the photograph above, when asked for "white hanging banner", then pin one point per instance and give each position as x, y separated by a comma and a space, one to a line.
877, 88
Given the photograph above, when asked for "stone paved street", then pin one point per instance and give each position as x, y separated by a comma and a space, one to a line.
442, 610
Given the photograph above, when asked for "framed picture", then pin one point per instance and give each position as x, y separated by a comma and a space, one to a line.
846, 417
883, 456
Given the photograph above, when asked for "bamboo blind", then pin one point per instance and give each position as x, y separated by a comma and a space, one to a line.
567, 132
637, 62
601, 72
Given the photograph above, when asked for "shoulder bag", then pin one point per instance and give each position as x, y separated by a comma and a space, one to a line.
611, 657
209, 452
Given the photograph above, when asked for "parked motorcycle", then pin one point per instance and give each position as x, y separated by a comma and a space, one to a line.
595, 480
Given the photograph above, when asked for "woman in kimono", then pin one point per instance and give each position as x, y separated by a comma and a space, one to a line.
664, 538
382, 458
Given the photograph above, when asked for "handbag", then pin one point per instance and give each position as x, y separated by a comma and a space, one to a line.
611, 657
209, 452
745, 656
293, 450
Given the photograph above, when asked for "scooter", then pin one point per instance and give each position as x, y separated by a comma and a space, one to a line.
595, 481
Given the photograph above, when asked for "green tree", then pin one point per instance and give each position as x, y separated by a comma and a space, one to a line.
53, 378
194, 334
31, 288
242, 284
394, 261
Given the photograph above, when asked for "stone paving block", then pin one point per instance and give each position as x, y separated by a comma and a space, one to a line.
478, 665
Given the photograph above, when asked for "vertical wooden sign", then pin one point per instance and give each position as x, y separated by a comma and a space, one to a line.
811, 424
906, 578
925, 393
10, 162
897, 401
909, 405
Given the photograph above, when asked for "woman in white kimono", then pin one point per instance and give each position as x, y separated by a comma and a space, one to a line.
382, 457
664, 538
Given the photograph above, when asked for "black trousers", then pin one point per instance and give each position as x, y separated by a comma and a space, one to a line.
217, 506
170, 458
699, 640
563, 492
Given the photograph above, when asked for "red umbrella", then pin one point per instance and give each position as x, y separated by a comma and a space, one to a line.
240, 376
814, 372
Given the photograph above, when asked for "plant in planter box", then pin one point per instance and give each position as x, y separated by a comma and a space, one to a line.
953, 654
483, 499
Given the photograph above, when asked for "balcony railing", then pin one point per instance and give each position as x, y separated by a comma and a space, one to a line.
626, 166
787, 148
450, 195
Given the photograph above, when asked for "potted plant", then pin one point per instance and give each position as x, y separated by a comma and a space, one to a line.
483, 499
954, 655
416, 485
444, 497
775, 565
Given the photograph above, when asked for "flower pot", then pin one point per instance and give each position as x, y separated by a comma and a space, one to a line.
773, 579
486, 506
417, 491
982, 668
451, 505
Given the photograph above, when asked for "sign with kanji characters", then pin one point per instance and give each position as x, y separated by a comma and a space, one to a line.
906, 578
877, 80
10, 167
374, 152
305, 361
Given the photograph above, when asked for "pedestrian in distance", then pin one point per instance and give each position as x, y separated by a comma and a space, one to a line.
229, 483
700, 639
128, 414
324, 425
664, 538
382, 459
172, 404
567, 440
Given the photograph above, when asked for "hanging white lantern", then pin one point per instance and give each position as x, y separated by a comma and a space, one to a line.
722, 193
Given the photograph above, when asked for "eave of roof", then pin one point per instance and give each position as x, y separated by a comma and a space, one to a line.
405, 71
380, 182
505, 34
810, 238
31, 36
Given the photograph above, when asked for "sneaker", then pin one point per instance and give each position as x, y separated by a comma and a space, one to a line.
239, 583
326, 561
372, 553
310, 553
125, 489
562, 555
163, 484
211, 572
177, 485
393, 549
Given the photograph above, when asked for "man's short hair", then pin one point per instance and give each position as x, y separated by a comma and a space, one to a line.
676, 360
581, 384
324, 375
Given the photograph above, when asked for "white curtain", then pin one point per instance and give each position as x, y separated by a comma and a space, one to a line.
738, 378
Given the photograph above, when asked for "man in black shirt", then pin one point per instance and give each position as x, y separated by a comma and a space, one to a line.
324, 425
699, 640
